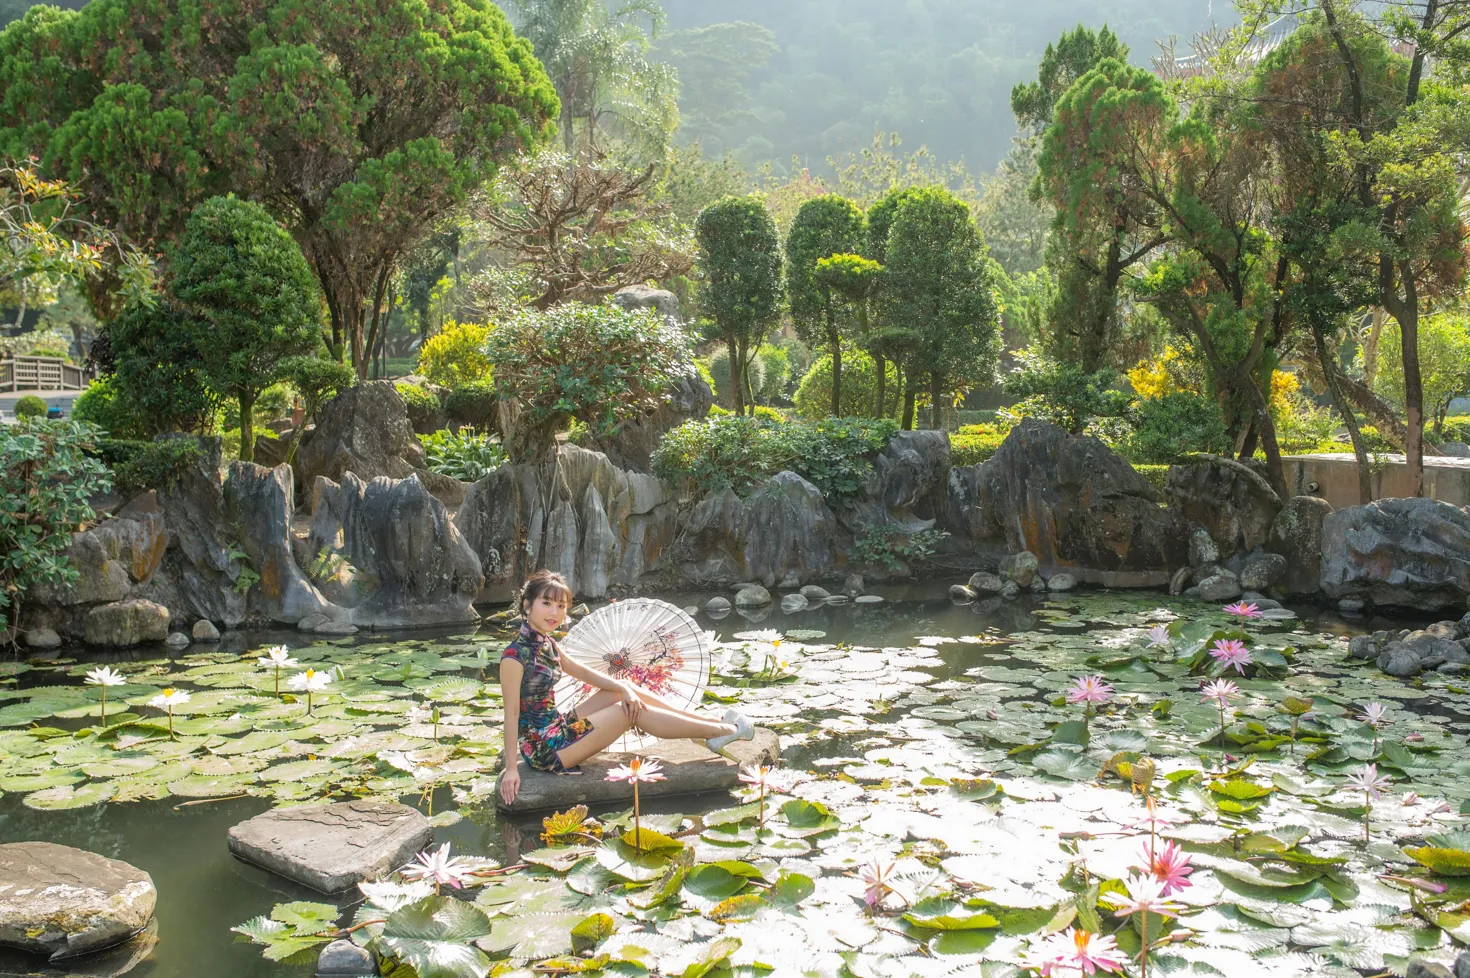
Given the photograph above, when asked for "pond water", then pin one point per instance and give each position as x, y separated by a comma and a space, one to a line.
931, 735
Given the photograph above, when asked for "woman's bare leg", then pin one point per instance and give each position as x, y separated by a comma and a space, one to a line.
666, 725
602, 699
608, 724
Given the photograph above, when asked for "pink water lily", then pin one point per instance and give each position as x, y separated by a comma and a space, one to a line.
438, 866
875, 877
1371, 784
1221, 691
1077, 952
764, 777
1169, 864
635, 773
1145, 896
1158, 636
1375, 716
1231, 653
1090, 690
1242, 610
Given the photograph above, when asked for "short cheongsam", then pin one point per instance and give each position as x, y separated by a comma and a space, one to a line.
542, 730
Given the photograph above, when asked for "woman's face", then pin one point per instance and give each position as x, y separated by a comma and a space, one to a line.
548, 611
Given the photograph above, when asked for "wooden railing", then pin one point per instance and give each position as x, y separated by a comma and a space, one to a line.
41, 374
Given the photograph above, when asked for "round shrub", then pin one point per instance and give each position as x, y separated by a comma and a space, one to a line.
424, 408
473, 403
859, 387
31, 406
456, 355
102, 404
775, 373
1170, 427
724, 388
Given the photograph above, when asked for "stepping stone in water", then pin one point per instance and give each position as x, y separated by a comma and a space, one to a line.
333, 847
689, 768
65, 902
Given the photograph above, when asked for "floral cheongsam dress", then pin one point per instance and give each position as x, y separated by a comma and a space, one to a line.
542, 730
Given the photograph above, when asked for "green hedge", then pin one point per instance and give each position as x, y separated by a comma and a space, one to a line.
31, 406
1155, 474
141, 465
833, 454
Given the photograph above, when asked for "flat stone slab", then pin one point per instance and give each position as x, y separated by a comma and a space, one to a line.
331, 848
688, 767
66, 902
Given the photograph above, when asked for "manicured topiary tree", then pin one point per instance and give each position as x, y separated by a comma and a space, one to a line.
824, 226
740, 291
31, 406
597, 364
243, 281
938, 280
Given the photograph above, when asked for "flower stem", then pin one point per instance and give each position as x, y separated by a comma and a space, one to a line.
170, 723
637, 830
104, 707
1143, 936
763, 807
1367, 810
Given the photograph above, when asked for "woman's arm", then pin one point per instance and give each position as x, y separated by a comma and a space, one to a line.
510, 694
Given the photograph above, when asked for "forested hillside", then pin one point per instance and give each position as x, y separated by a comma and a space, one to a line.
769, 79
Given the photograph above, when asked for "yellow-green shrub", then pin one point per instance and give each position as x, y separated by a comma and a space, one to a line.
456, 355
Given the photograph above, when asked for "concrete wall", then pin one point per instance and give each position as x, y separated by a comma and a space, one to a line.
1336, 478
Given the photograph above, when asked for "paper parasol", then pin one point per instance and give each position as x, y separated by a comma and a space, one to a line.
651, 644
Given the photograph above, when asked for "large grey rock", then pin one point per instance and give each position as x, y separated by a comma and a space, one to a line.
794, 602
984, 582
815, 593
630, 445
344, 959
1400, 660
1203, 550
1020, 568
661, 301
688, 767
1231, 500
907, 488
1462, 965
332, 847
784, 527
853, 585
402, 562
1262, 571
259, 503
364, 430
1061, 582
42, 638
717, 604
1074, 503
523, 517
1010, 590
125, 623
1419, 968
960, 592
1408, 553
752, 596
65, 902
204, 631
1296, 534
964, 516
112, 557
1221, 586
199, 573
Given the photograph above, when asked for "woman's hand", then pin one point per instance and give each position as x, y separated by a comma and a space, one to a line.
510, 783
632, 704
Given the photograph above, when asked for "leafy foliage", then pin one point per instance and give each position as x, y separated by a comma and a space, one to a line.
473, 403
456, 355
156, 464
1062, 393
598, 364
358, 132
243, 282
833, 454
1168, 428
883, 547
859, 387
463, 455
46, 481
423, 405
740, 291
31, 406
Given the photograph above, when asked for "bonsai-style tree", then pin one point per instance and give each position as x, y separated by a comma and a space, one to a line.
853, 280
740, 290
582, 226
316, 380
938, 280
158, 367
358, 128
240, 277
597, 364
824, 226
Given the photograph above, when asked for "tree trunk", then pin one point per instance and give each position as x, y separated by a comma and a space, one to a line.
908, 406
1370, 346
837, 379
737, 386
936, 413
531, 441
882, 366
1266, 429
1330, 372
247, 427
1413, 388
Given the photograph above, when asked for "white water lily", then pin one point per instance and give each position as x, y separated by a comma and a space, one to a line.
767, 635
169, 699
105, 676
277, 657
310, 682
439, 867
391, 896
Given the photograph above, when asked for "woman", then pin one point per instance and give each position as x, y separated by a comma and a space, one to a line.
549, 740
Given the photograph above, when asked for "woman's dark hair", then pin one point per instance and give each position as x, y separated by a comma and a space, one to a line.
544, 582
